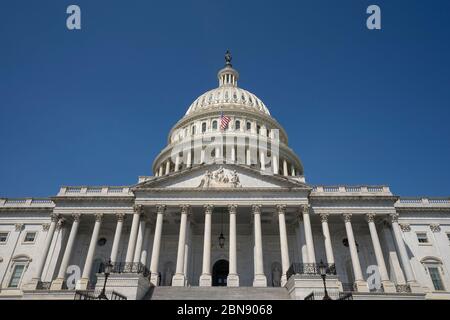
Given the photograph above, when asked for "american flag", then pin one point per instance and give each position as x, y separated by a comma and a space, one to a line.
224, 120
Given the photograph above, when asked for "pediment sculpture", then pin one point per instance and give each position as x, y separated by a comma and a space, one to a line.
220, 178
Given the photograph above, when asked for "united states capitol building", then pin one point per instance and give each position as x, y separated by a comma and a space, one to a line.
226, 214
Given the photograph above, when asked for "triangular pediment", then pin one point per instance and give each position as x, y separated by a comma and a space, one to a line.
220, 176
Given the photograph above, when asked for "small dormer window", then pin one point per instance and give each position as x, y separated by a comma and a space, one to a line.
237, 125
30, 237
204, 127
249, 125
422, 237
214, 125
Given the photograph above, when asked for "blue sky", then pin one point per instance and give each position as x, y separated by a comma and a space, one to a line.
94, 107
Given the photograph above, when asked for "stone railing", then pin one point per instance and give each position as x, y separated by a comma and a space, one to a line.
423, 202
94, 191
26, 202
351, 190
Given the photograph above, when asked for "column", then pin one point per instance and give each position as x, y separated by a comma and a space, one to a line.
178, 279
146, 245
327, 238
58, 283
154, 263
205, 278
361, 285
117, 236
308, 234
84, 281
189, 158
160, 171
260, 278
168, 167
301, 238
262, 160
48, 242
233, 277
186, 252
388, 286
285, 168
293, 171
406, 264
248, 156
140, 240
281, 209
138, 211
177, 162
275, 164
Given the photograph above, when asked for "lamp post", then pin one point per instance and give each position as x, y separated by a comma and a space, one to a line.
108, 269
323, 273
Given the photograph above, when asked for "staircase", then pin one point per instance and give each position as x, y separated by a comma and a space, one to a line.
216, 293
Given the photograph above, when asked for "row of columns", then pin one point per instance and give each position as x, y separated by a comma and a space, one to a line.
165, 168
139, 235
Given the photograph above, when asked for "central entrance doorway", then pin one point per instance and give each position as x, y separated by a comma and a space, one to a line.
220, 273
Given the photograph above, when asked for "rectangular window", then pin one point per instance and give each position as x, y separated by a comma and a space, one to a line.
422, 237
436, 278
30, 236
3, 237
16, 276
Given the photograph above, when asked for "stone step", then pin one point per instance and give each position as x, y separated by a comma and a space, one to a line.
216, 293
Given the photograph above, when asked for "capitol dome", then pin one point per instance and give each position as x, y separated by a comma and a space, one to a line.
249, 128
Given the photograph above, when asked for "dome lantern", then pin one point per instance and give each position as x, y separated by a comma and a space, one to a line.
228, 76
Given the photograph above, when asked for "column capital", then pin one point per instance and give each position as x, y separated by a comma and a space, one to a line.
60, 224
45, 226
394, 217
208, 208
324, 217
161, 208
76, 217
120, 216
370, 217
98, 217
435, 227
19, 226
304, 208
232, 208
185, 209
347, 217
138, 208
256, 209
405, 227
54, 217
281, 208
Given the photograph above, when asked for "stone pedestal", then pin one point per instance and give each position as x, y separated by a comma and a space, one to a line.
361, 286
178, 280
260, 280
300, 286
82, 284
388, 287
131, 285
232, 280
32, 285
415, 287
205, 280
154, 279
57, 284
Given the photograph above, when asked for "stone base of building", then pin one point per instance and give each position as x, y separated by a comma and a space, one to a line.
82, 284
178, 280
389, 287
260, 280
57, 284
232, 280
415, 287
361, 286
300, 286
32, 285
205, 280
132, 285
154, 279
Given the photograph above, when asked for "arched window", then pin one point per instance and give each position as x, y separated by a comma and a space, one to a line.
19, 267
193, 130
204, 127
249, 125
237, 125
258, 129
214, 125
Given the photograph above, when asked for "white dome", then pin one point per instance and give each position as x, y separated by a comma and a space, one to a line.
228, 95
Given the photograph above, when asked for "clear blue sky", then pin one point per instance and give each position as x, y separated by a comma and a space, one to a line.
94, 107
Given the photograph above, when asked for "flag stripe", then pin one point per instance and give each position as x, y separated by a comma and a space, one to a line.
224, 121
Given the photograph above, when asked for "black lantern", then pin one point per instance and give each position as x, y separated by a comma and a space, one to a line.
107, 271
221, 240
323, 269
